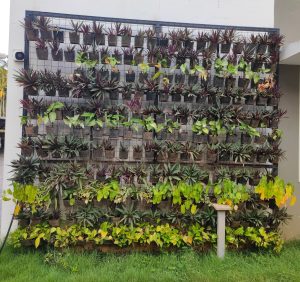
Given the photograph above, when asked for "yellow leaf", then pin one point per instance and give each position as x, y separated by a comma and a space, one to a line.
193, 209
158, 65
37, 242
103, 233
188, 239
17, 210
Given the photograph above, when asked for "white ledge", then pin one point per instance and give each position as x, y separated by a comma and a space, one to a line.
290, 54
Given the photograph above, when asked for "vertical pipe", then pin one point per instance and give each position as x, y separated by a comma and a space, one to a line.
221, 234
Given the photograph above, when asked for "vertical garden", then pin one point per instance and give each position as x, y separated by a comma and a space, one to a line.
133, 129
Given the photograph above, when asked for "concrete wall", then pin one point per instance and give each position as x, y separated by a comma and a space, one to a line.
289, 168
225, 12
287, 19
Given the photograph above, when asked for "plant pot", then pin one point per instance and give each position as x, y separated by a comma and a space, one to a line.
255, 123
63, 92
163, 42
230, 83
42, 153
243, 82
143, 206
32, 34
151, 43
27, 243
59, 36
242, 180
184, 157
42, 54
260, 139
251, 48
262, 158
218, 82
23, 223
69, 56
225, 48
261, 49
254, 181
173, 156
74, 38
31, 91
114, 95
273, 123
200, 138
46, 35
213, 139
94, 56
114, 133
176, 97
115, 76
234, 138
126, 40
192, 79
165, 205
128, 59
54, 222
97, 153
201, 46
238, 101
273, 101
148, 135
150, 96
179, 78
88, 38
84, 154
224, 157
149, 155
138, 58
162, 135
163, 97
109, 154
31, 131
139, 41
249, 99
189, 44
261, 101
112, 40
57, 55
100, 39
123, 155
137, 155
225, 100
183, 136
27, 151
143, 77
104, 74
211, 156
246, 139
35, 221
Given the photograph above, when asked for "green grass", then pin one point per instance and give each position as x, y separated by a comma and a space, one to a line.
21, 265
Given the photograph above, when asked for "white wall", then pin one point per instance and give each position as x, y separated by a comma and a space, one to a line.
256, 13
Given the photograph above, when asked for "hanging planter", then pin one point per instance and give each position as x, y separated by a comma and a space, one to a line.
211, 156
112, 39
115, 75
74, 37
143, 77
100, 39
179, 78
139, 40
148, 135
109, 154
192, 79
163, 97
31, 130
183, 136
261, 100
262, 158
225, 100
150, 96
126, 40
225, 48
58, 35
42, 53
249, 99
128, 58
70, 55
243, 82
123, 154
114, 133
200, 138
176, 97
137, 152
130, 76
246, 139
218, 82
273, 101
149, 155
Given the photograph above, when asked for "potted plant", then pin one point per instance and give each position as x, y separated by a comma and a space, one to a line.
151, 149
26, 146
70, 54
186, 37
130, 76
58, 35
254, 178
126, 36
150, 126
128, 56
47, 82
263, 153
151, 88
56, 51
98, 33
55, 146
94, 54
173, 150
214, 40
113, 33
137, 152
252, 44
74, 35
29, 79
227, 37
176, 92
151, 38
109, 150
123, 152
88, 36
41, 49
212, 153
32, 33
139, 39
53, 218
62, 85
202, 39
43, 24
41, 147
263, 43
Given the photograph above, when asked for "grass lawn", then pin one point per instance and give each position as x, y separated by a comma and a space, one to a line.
21, 265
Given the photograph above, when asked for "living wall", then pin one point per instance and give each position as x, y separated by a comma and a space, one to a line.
131, 133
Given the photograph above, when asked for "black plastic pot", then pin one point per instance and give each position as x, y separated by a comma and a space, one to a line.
261, 49
211, 156
88, 38
58, 36
225, 100
109, 154
179, 78
225, 48
188, 44
84, 154
143, 77
32, 34
246, 139
50, 93
150, 96
69, 56
200, 138
201, 99
176, 97
224, 157
163, 97
57, 55
123, 155
184, 156
139, 41
128, 59
261, 101
148, 135
262, 158
137, 155
249, 99
151, 43
163, 42
46, 35
234, 138
180, 61
212, 99
31, 131
31, 91
183, 136
274, 123
94, 56
192, 79
230, 83
188, 98
42, 54
115, 76
138, 58
126, 40
104, 74
114, 95
149, 155
130, 77
273, 101
112, 40
218, 82
254, 181
255, 123
100, 39
74, 38
114, 133
201, 46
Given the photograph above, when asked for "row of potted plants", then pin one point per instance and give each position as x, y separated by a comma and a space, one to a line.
41, 27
